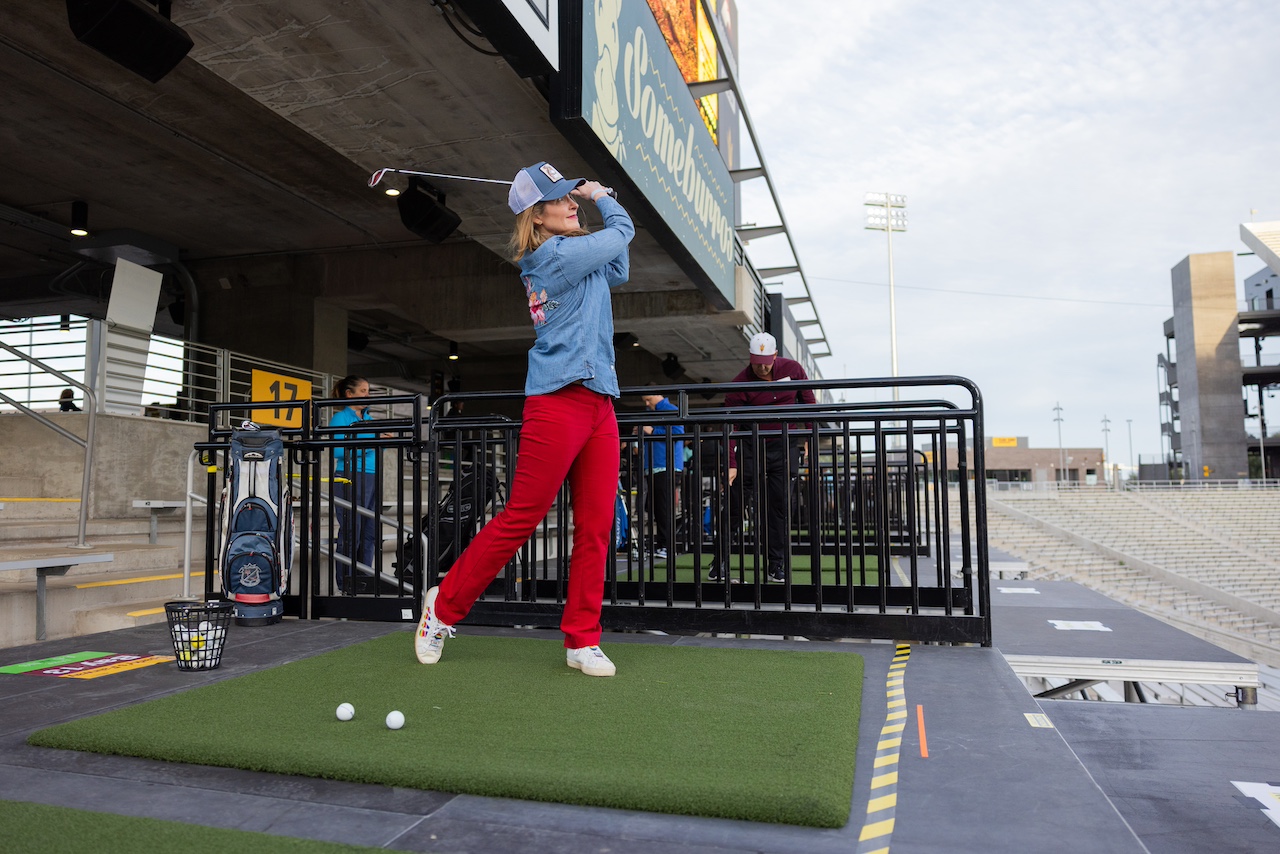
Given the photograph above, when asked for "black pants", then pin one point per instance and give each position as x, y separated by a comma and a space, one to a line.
778, 468
662, 500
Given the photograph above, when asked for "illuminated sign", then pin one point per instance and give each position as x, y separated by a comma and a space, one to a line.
635, 101
1004, 441
265, 385
693, 45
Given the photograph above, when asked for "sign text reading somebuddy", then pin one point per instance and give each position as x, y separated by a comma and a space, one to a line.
641, 110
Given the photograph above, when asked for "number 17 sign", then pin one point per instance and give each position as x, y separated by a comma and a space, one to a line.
281, 388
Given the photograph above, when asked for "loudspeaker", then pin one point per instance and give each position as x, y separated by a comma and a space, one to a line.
423, 212
671, 366
131, 33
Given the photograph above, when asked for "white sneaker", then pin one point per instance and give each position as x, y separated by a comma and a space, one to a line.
591, 661
428, 643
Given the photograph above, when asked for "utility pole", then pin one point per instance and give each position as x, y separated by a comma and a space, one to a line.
1062, 454
1129, 421
1106, 445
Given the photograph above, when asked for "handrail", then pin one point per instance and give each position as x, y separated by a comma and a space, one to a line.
87, 442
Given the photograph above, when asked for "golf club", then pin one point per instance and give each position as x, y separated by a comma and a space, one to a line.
377, 177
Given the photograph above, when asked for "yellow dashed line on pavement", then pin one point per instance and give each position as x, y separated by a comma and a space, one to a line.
878, 828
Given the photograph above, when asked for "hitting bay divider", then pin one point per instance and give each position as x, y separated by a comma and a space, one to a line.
867, 491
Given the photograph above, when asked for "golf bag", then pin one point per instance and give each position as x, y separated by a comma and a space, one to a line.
470, 496
255, 546
621, 524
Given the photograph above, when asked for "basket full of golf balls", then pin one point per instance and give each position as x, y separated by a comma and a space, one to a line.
199, 632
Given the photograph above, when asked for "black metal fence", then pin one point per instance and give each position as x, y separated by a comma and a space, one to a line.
821, 520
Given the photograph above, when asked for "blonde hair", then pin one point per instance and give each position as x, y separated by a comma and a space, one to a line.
526, 237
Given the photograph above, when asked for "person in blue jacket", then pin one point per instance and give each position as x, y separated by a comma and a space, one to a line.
663, 474
355, 473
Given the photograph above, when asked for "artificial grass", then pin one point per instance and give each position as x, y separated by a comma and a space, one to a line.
761, 735
41, 829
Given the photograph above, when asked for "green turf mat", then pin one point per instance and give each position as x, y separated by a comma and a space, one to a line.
761, 735
40, 829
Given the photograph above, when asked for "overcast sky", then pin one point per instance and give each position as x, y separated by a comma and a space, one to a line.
1058, 159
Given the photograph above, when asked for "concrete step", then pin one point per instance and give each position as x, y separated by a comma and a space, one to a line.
20, 485
90, 603
170, 531
108, 618
135, 558
25, 507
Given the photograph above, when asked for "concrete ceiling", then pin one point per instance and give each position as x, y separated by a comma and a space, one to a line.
261, 143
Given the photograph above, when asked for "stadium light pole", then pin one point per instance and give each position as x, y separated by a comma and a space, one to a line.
1129, 421
887, 212
1062, 454
1106, 445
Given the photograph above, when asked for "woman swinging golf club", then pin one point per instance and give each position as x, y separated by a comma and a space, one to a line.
569, 427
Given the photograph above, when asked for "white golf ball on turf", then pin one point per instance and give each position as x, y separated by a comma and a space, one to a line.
395, 720
346, 712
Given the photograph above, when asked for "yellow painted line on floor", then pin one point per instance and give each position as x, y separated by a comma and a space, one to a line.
45, 500
897, 570
146, 612
881, 780
884, 802
874, 838
876, 829
141, 579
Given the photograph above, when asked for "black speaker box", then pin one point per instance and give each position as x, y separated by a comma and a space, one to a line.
130, 32
423, 212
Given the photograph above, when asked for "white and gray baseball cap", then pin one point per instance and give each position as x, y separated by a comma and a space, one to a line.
540, 182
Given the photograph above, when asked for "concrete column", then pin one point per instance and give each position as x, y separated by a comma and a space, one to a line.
1208, 357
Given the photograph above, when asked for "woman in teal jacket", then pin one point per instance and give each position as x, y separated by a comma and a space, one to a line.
355, 474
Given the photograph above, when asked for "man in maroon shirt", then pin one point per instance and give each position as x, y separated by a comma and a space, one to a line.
775, 460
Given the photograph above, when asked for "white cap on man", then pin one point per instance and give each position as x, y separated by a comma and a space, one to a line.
764, 349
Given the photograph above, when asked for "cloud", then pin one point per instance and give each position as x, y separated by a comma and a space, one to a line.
1072, 150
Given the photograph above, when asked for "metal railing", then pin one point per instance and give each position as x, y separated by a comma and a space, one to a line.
866, 549
152, 376
86, 443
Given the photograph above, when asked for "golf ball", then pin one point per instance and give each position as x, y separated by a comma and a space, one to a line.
395, 720
346, 712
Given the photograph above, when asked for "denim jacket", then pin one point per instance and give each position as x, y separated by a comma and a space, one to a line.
567, 281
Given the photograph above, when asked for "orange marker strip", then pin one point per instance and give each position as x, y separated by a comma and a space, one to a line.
924, 742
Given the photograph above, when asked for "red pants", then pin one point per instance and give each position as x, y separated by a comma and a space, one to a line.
572, 432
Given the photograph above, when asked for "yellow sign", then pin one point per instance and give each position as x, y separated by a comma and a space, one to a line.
1004, 441
268, 386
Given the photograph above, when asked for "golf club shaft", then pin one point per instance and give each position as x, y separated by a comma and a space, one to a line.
377, 177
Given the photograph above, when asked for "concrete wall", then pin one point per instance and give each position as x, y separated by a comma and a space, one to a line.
1208, 358
134, 458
